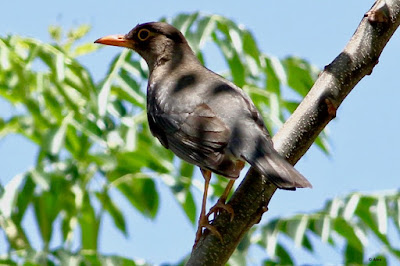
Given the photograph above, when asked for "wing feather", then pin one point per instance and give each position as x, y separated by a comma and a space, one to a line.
198, 137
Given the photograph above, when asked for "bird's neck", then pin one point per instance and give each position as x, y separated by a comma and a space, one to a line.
169, 69
174, 56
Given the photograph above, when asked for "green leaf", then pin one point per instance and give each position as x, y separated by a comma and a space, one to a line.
85, 49
300, 74
55, 32
296, 228
269, 238
78, 145
348, 231
60, 67
54, 104
15, 234
89, 224
78, 78
353, 255
250, 46
231, 56
117, 216
186, 169
8, 262
290, 105
283, 255
10, 217
129, 89
46, 210
205, 27
56, 137
106, 162
79, 32
104, 92
322, 226
189, 206
364, 213
24, 198
184, 21
275, 74
151, 157
236, 39
67, 227
141, 192
351, 206
9, 198
135, 67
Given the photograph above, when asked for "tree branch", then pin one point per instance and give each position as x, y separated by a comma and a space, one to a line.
317, 109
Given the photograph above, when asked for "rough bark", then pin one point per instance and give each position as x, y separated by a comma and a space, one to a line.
296, 136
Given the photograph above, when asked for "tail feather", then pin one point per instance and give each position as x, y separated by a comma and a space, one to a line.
277, 170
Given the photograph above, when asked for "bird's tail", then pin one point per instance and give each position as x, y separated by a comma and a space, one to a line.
268, 162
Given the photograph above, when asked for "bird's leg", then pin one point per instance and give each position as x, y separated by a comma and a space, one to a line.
203, 220
221, 202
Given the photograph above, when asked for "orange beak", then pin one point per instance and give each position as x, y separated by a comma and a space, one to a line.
115, 40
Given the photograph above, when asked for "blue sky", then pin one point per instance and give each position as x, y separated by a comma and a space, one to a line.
363, 137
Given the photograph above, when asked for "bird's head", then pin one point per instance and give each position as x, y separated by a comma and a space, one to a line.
156, 42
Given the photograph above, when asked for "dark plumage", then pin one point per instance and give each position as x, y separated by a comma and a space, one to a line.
203, 118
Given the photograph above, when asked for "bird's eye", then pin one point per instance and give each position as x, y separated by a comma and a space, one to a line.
143, 34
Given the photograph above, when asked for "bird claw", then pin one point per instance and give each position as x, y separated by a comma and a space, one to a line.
216, 209
204, 223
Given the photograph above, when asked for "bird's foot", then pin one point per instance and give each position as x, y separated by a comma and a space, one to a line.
221, 205
204, 223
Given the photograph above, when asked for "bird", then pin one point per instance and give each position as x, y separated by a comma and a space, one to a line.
202, 117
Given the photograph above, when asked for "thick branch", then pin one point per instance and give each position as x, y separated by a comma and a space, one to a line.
317, 109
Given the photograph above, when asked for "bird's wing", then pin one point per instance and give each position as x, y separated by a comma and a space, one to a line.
198, 136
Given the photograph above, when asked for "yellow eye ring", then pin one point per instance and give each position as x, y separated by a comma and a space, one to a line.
143, 34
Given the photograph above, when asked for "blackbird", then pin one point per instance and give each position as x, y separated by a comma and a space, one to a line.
203, 118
